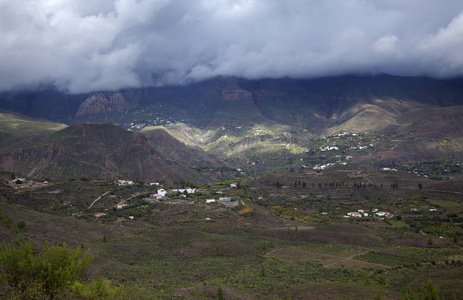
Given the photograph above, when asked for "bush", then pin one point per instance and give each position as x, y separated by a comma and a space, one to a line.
102, 288
26, 270
220, 294
22, 226
428, 292
4, 219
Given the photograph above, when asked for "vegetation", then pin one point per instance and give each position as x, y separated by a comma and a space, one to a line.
274, 242
29, 272
332, 195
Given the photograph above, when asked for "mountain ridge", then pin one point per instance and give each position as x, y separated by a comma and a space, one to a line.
104, 151
281, 124
200, 101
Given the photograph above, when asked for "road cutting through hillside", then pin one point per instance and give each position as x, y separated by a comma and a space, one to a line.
98, 199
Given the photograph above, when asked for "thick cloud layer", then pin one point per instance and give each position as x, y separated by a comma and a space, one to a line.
83, 46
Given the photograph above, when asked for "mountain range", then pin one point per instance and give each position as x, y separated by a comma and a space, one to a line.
255, 125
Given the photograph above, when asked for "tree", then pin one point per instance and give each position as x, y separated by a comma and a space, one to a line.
420, 185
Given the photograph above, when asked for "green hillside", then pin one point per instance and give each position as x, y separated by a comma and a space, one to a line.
18, 131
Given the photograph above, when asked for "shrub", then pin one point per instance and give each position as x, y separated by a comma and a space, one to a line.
4, 219
24, 268
102, 288
22, 226
427, 292
220, 294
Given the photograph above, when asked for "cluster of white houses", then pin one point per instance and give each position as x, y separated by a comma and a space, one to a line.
130, 182
362, 213
161, 193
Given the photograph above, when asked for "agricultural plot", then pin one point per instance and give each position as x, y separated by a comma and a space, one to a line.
398, 223
442, 203
389, 259
295, 254
325, 260
437, 255
337, 250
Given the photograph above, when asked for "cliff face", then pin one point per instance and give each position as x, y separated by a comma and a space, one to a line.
108, 102
291, 101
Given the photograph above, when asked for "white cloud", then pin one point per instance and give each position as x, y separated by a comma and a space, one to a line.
386, 44
445, 49
110, 44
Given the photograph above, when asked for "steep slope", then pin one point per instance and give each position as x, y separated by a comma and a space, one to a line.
427, 134
162, 141
97, 151
313, 104
18, 131
377, 116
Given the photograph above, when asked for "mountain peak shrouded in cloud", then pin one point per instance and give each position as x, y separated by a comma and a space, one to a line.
83, 46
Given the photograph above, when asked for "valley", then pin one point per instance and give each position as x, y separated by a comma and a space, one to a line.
288, 234
243, 189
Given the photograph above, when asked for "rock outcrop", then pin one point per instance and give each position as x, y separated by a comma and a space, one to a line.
108, 102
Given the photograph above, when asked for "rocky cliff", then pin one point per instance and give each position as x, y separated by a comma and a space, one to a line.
108, 102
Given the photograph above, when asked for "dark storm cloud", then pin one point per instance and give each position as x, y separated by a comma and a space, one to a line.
103, 45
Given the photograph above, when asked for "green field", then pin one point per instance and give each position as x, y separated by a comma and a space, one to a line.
398, 223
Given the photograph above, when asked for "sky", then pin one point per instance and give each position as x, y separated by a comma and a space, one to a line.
84, 46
